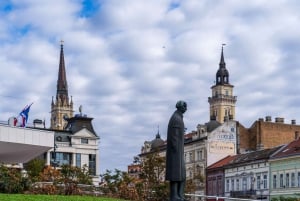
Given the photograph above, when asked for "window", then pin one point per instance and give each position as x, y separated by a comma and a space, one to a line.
185, 159
232, 184
227, 185
92, 164
199, 155
78, 160
244, 183
258, 179
265, 181
84, 141
298, 179
281, 181
237, 184
293, 180
220, 185
274, 181
214, 186
287, 180
62, 158
191, 156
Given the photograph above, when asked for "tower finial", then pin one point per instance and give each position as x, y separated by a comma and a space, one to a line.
62, 42
222, 61
157, 135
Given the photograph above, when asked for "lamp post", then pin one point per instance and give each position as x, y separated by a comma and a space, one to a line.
54, 162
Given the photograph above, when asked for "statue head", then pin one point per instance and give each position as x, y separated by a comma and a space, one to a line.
181, 106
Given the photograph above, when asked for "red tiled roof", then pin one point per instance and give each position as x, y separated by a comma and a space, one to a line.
291, 149
222, 162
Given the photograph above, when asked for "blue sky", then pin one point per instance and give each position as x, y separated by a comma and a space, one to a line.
129, 61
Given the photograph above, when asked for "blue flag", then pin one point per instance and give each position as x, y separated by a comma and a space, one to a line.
24, 115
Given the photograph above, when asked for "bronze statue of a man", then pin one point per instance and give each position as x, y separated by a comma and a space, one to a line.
175, 164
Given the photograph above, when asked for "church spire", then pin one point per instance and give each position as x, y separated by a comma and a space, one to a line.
62, 85
222, 61
61, 108
222, 76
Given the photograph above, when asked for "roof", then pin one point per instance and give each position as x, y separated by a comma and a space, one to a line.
222, 162
79, 122
254, 156
291, 149
212, 125
157, 142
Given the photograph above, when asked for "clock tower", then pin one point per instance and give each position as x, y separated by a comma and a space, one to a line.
222, 101
62, 106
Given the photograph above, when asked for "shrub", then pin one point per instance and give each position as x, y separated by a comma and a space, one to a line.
11, 180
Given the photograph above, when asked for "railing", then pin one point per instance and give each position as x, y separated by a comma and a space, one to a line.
219, 197
245, 193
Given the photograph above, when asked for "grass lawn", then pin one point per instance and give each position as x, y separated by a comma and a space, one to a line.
22, 197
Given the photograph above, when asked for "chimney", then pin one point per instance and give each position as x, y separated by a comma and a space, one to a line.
37, 123
296, 135
261, 119
279, 120
293, 122
268, 118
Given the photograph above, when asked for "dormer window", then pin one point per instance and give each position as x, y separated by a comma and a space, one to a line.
84, 141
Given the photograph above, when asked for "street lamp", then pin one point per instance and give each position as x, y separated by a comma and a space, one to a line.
54, 162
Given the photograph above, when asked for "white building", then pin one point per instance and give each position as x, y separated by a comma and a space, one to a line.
77, 145
247, 176
20, 145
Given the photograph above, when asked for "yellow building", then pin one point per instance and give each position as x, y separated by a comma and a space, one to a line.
222, 101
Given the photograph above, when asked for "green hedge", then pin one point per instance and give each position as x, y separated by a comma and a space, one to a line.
22, 197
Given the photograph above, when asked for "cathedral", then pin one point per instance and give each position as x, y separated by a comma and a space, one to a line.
75, 141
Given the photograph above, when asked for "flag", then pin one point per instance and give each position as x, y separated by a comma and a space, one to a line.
24, 115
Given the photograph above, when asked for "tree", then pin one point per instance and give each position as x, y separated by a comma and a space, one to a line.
72, 176
112, 182
34, 168
152, 177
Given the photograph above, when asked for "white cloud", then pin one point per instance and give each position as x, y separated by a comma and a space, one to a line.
130, 62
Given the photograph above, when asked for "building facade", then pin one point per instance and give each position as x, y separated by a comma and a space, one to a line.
247, 175
285, 171
215, 176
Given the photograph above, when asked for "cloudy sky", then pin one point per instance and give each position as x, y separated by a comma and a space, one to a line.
129, 61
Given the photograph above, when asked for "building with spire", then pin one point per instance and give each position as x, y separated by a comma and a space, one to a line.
222, 101
62, 106
75, 141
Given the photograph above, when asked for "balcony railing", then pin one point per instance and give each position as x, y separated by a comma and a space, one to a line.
242, 194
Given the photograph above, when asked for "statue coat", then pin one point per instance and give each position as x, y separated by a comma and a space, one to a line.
175, 164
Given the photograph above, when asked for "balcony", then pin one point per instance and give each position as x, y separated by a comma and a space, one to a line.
243, 194
222, 97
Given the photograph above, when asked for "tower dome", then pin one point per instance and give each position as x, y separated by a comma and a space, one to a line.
157, 142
